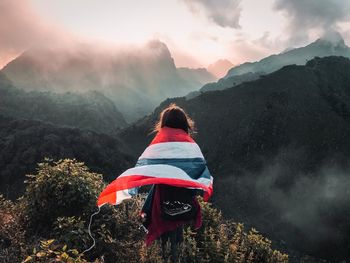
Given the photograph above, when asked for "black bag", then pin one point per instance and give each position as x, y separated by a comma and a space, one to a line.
178, 203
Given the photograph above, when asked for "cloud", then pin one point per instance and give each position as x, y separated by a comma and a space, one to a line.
243, 48
306, 17
225, 13
21, 28
305, 210
312, 202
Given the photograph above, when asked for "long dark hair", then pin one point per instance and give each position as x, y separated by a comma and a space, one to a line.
175, 117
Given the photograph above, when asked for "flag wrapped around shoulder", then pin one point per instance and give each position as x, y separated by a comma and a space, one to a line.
172, 158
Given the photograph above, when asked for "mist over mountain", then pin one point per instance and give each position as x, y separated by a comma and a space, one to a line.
42, 124
279, 150
225, 83
331, 44
90, 110
136, 80
220, 67
199, 76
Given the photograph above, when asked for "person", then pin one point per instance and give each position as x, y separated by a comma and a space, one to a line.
168, 208
174, 164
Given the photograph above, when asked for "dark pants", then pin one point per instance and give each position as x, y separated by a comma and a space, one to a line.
175, 238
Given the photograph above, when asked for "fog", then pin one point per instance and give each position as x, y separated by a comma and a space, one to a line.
312, 17
299, 211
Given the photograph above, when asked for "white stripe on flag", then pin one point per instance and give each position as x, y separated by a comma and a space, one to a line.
164, 171
169, 150
122, 195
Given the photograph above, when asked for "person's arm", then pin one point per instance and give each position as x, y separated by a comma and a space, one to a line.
147, 207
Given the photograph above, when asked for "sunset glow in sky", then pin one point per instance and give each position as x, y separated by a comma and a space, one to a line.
197, 32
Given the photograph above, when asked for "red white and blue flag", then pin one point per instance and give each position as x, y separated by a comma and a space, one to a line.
172, 158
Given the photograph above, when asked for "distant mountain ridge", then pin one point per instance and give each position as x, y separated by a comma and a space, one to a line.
197, 75
322, 47
89, 110
225, 83
330, 45
135, 80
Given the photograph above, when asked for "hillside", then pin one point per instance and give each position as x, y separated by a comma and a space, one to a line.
278, 148
199, 76
332, 45
58, 202
90, 110
136, 80
322, 47
24, 143
231, 81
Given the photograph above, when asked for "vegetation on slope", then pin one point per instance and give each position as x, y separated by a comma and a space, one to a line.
90, 110
49, 224
23, 143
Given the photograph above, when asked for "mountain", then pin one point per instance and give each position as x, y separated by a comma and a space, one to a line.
330, 45
199, 76
136, 80
278, 148
220, 67
225, 83
24, 143
90, 110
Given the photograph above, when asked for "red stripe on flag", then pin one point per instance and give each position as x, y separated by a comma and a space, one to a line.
126, 182
171, 135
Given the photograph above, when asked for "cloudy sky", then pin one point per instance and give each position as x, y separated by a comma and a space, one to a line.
197, 32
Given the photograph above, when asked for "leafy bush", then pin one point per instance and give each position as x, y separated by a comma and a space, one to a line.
59, 189
12, 232
51, 251
220, 240
115, 230
62, 195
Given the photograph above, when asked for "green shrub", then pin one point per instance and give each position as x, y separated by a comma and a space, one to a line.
59, 201
71, 231
60, 189
220, 240
115, 229
51, 251
12, 231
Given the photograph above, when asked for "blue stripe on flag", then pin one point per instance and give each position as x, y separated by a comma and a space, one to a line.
194, 167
